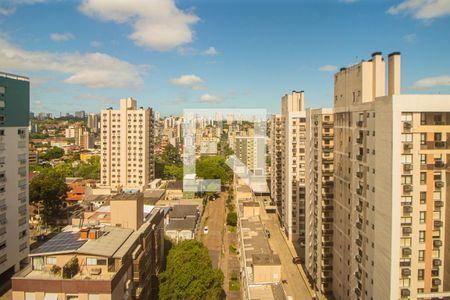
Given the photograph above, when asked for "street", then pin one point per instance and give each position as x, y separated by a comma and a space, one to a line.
296, 285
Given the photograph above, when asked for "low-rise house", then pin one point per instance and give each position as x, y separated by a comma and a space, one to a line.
119, 258
182, 223
174, 190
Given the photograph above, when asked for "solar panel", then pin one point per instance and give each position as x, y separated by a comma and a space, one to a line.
64, 241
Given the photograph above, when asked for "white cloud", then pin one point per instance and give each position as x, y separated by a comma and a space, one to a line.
422, 9
207, 98
186, 80
328, 68
157, 24
210, 51
8, 7
98, 70
199, 87
430, 82
410, 38
62, 37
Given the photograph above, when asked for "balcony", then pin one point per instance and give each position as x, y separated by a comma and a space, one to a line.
407, 146
437, 262
407, 209
406, 272
437, 243
439, 144
436, 281
407, 167
407, 230
439, 164
406, 251
438, 223
360, 123
358, 259
438, 184
359, 157
407, 188
405, 293
407, 125
359, 208
359, 242
359, 140
438, 204
359, 174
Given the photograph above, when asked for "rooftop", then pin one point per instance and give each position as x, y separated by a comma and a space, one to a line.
182, 224
266, 259
175, 185
182, 211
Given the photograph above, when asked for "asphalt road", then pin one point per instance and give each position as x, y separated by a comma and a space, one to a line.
214, 218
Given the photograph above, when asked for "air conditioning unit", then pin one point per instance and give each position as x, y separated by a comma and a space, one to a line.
407, 167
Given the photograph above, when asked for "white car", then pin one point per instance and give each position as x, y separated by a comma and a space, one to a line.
205, 230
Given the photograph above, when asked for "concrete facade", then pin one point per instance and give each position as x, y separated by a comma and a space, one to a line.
127, 147
14, 114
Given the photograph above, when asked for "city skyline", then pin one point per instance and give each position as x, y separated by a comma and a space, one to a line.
91, 54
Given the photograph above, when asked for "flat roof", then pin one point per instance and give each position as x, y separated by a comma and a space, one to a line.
183, 210
182, 224
266, 259
175, 185
108, 243
252, 203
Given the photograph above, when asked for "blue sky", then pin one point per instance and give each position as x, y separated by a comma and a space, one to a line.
86, 55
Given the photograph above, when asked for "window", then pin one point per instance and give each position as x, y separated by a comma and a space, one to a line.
2, 91
423, 159
406, 158
422, 217
407, 117
407, 137
421, 255
51, 260
420, 274
422, 236
438, 136
423, 178
95, 261
423, 138
423, 197
406, 179
30, 296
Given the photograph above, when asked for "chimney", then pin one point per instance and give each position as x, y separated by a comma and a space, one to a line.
394, 74
378, 75
84, 233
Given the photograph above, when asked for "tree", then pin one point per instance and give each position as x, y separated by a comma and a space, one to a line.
213, 167
232, 218
173, 172
52, 153
48, 190
189, 274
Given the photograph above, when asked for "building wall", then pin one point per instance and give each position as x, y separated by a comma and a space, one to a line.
14, 109
127, 159
276, 152
319, 198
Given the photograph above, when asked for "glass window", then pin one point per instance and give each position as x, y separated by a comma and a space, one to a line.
406, 179
407, 116
423, 178
51, 260
423, 138
406, 158
91, 261
421, 255
422, 236
423, 159
423, 197
407, 137
420, 274
30, 296
422, 216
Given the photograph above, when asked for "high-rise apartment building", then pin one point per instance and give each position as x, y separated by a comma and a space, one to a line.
14, 114
293, 118
93, 122
127, 146
319, 198
276, 163
391, 210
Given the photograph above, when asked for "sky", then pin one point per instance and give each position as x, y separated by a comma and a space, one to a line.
171, 55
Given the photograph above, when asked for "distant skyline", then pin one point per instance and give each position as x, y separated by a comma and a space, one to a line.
171, 55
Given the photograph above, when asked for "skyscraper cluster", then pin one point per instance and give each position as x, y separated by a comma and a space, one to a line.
364, 186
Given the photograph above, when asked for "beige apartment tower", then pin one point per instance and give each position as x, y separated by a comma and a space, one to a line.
292, 163
319, 198
127, 148
276, 163
392, 164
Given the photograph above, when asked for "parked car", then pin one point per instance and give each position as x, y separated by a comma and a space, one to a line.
205, 230
296, 260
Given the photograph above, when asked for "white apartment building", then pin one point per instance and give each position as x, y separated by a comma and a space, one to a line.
127, 141
319, 198
276, 164
14, 118
293, 119
391, 212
